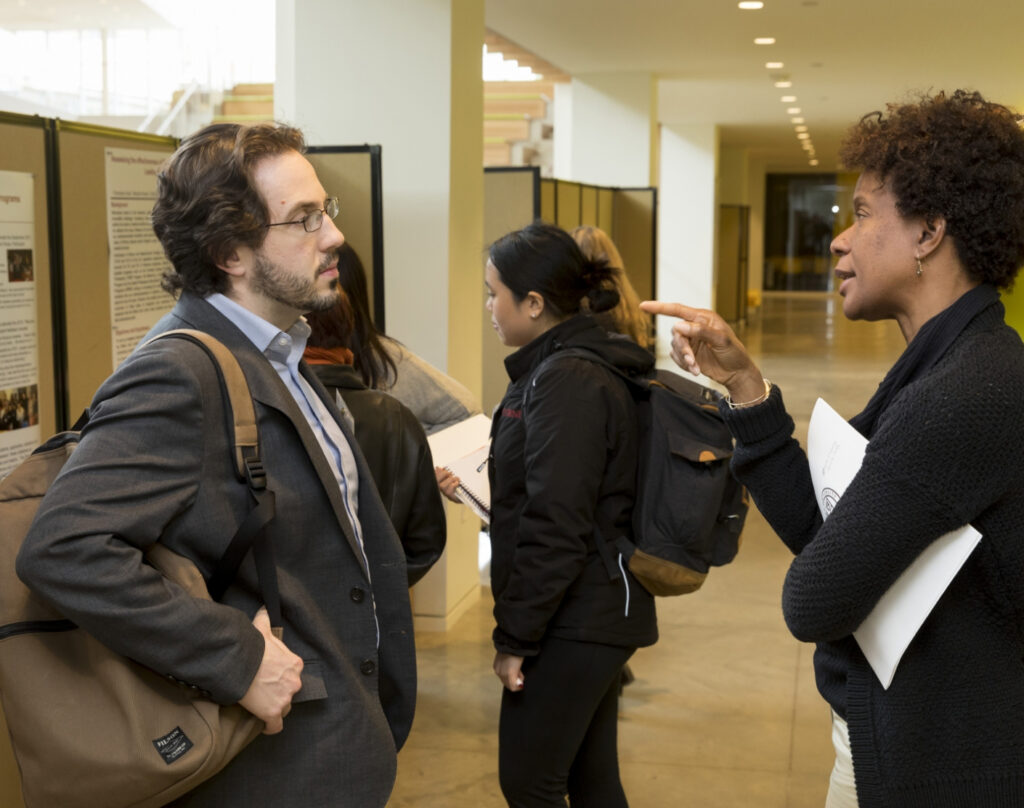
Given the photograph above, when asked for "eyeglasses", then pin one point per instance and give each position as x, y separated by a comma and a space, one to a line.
312, 221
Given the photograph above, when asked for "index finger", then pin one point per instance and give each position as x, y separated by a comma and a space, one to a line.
669, 309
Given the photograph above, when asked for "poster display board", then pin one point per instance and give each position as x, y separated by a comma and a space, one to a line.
19, 342
110, 291
353, 174
137, 260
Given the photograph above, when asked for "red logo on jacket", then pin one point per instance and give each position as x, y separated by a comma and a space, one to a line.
511, 413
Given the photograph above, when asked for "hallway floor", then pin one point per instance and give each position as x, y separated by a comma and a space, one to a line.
724, 712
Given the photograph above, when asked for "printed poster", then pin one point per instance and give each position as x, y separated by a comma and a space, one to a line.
19, 335
137, 260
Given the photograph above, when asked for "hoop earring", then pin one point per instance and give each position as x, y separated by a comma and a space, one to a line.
920, 269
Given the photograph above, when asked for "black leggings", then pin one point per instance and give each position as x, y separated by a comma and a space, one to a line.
558, 735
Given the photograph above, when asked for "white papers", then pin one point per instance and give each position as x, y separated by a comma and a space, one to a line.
462, 449
835, 451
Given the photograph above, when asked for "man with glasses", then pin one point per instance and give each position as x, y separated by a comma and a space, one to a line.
249, 231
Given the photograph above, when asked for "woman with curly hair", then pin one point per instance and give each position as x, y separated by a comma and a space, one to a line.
938, 230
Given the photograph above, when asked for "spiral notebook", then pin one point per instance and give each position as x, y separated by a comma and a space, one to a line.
462, 449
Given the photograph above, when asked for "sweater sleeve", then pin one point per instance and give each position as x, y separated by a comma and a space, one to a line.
770, 462
937, 461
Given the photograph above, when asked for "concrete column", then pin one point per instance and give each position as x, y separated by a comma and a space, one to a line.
408, 77
687, 206
605, 129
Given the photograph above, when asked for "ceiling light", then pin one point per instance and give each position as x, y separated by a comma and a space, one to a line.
788, 99
783, 85
814, 162
803, 135
774, 65
765, 40
796, 120
793, 111
801, 129
751, 5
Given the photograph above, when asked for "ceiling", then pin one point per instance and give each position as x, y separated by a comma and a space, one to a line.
844, 57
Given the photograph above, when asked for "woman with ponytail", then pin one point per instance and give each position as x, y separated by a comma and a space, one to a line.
563, 457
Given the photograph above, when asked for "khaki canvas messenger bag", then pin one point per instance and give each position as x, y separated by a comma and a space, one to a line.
93, 729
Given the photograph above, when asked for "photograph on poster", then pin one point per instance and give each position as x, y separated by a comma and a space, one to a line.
19, 266
19, 408
19, 326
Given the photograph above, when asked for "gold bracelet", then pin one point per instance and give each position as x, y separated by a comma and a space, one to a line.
759, 400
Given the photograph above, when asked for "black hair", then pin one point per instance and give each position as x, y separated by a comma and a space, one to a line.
545, 259
349, 324
959, 157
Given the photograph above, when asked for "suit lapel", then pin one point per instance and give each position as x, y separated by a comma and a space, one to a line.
266, 387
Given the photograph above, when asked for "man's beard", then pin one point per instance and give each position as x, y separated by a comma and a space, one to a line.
294, 291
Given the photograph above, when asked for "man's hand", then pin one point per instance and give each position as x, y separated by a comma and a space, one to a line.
269, 697
509, 669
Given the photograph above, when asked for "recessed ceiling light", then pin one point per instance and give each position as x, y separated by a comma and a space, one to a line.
783, 85
814, 162
801, 129
793, 111
765, 40
803, 135
796, 120
774, 65
751, 5
788, 99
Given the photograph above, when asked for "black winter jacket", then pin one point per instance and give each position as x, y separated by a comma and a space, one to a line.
569, 454
396, 450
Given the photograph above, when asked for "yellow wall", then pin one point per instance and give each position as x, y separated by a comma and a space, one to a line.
1014, 302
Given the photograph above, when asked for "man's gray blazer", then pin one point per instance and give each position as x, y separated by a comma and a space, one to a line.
154, 463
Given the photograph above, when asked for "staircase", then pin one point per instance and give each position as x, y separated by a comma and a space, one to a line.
517, 123
247, 103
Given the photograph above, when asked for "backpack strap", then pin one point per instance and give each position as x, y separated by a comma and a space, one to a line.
606, 537
245, 451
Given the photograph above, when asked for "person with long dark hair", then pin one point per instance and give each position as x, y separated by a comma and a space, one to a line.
435, 398
938, 229
388, 433
563, 460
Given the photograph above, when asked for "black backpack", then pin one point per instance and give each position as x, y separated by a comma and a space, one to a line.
689, 509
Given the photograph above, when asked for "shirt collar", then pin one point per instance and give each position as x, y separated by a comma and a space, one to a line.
279, 346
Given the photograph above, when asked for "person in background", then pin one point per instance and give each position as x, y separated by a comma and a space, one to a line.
563, 460
938, 229
435, 398
389, 434
625, 316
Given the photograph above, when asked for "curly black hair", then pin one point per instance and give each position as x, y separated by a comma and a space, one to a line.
207, 203
958, 157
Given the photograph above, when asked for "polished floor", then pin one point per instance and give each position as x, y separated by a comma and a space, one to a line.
724, 711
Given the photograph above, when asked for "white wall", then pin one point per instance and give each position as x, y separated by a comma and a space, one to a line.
608, 141
686, 219
353, 72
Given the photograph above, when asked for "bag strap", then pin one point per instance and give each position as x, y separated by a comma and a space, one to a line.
605, 528
245, 452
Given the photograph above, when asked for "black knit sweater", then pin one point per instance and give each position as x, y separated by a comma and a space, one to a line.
948, 450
